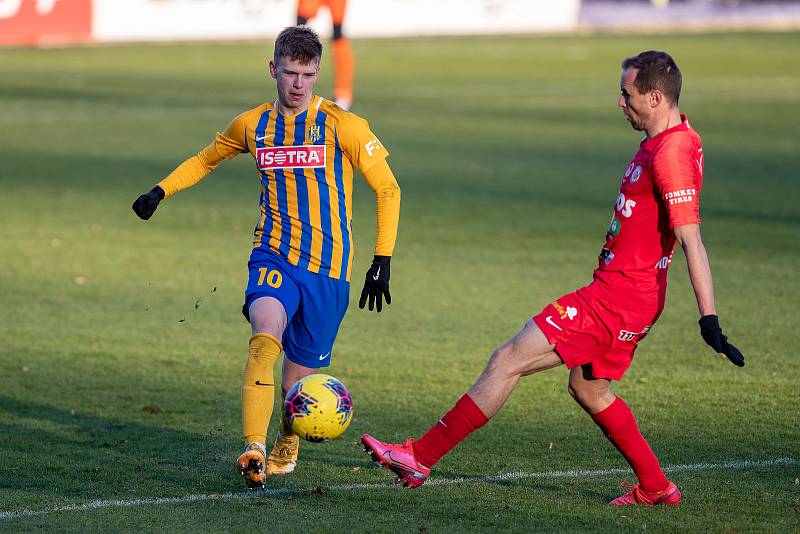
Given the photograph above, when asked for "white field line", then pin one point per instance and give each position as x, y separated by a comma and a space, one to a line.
503, 477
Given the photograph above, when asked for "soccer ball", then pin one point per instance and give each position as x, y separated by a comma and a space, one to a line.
318, 408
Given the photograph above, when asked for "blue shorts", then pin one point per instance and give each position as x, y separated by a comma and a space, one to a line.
315, 305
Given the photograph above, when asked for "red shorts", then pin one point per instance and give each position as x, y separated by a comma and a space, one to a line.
586, 328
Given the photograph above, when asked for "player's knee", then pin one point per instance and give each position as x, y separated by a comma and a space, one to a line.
286, 385
268, 316
500, 361
288, 380
337, 32
292, 373
581, 392
267, 327
571, 391
301, 21
591, 399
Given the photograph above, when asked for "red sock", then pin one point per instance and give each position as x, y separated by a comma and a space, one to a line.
451, 430
619, 426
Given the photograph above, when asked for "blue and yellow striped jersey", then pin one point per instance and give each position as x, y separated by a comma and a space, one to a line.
305, 164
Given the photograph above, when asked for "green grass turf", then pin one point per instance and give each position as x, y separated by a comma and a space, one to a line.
509, 153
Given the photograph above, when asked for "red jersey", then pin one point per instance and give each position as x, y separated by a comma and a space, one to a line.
660, 191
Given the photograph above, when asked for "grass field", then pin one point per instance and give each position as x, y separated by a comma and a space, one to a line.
122, 346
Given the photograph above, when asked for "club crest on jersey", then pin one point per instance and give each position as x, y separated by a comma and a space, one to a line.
291, 157
314, 133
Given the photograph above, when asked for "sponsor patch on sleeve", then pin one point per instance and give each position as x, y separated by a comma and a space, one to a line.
680, 196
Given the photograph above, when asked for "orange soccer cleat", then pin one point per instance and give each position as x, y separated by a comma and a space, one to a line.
398, 459
251, 465
671, 496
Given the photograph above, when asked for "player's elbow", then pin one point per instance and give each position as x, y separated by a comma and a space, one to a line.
207, 161
688, 235
388, 191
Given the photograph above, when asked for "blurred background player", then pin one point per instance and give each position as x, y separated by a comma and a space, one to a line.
344, 62
305, 149
595, 330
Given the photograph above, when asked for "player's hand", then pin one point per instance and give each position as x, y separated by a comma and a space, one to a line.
146, 204
376, 284
712, 334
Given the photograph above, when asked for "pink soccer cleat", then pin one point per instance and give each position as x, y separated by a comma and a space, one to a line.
398, 459
671, 496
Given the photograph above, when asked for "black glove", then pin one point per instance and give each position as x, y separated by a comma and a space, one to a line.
376, 283
146, 205
712, 334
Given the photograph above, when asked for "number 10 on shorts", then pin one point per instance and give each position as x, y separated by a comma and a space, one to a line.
273, 278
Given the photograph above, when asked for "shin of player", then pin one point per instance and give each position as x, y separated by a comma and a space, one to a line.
596, 329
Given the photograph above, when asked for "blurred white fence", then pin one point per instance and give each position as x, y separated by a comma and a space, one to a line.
70, 21
45, 22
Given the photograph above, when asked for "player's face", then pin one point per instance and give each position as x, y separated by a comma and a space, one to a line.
295, 82
635, 105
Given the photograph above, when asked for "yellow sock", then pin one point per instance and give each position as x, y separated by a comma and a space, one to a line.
258, 388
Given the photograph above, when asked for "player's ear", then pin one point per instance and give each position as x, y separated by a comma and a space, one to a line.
656, 97
273, 69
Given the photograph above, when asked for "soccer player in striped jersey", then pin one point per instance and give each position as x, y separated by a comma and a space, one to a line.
305, 150
596, 329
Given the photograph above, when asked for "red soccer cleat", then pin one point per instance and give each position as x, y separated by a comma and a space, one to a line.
671, 496
398, 459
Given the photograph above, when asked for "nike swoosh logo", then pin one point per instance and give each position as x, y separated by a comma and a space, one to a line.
377, 274
323, 356
552, 323
260, 383
408, 468
264, 137
400, 463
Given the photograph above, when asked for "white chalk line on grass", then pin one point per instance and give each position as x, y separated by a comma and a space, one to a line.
503, 477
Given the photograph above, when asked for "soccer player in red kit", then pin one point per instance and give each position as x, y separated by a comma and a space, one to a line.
595, 330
